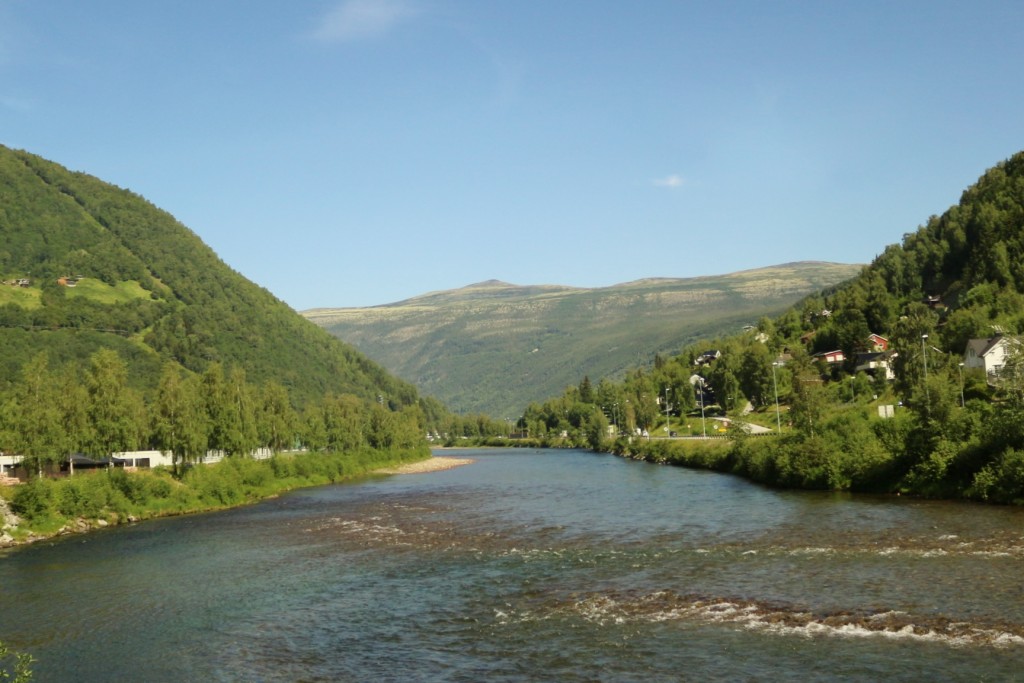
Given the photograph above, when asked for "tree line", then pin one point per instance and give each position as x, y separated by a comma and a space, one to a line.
52, 411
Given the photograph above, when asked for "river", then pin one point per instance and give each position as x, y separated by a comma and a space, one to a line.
532, 566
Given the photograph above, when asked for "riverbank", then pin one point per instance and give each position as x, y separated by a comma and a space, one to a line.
435, 464
46, 508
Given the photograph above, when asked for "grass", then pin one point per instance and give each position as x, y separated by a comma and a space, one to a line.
48, 507
26, 297
101, 292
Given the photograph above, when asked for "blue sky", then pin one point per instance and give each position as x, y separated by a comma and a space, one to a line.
359, 152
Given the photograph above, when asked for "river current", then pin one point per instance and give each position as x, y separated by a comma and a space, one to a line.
532, 566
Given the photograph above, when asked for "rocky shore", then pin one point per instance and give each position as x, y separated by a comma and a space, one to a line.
8, 520
435, 464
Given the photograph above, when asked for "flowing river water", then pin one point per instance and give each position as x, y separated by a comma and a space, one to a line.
532, 566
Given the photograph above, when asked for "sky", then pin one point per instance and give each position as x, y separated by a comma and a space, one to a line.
361, 152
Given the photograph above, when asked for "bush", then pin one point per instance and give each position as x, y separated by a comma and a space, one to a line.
1001, 481
34, 499
158, 487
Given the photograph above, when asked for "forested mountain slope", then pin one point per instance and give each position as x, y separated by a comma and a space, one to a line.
869, 385
495, 347
87, 265
966, 265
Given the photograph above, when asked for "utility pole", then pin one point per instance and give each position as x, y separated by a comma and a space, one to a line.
924, 360
703, 425
668, 427
775, 385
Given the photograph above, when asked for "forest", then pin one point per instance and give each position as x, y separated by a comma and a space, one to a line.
53, 412
147, 287
843, 413
120, 331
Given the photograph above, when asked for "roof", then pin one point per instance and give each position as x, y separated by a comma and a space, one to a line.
80, 459
982, 347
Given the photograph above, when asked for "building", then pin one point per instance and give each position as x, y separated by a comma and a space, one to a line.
708, 357
989, 354
831, 356
876, 362
877, 342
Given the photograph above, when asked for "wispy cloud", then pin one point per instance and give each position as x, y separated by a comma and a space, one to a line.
362, 19
671, 181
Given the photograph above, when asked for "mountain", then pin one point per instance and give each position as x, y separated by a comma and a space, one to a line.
86, 265
494, 347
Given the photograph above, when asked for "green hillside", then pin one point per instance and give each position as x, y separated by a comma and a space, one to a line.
495, 347
107, 269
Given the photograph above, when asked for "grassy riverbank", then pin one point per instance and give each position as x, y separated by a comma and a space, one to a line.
51, 507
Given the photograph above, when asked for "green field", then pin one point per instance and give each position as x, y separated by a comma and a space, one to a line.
101, 292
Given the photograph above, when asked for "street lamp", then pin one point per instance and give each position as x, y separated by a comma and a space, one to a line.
961, 369
778, 418
924, 360
703, 425
668, 427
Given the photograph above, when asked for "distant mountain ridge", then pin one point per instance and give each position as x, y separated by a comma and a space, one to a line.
494, 347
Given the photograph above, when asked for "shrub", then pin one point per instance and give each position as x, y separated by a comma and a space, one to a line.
33, 499
1001, 481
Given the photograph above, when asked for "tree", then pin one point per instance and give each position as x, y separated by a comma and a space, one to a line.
755, 375
851, 332
37, 427
73, 403
243, 435
380, 428
277, 420
179, 417
217, 403
344, 419
113, 407
586, 391
809, 397
906, 341
230, 409
314, 432
596, 427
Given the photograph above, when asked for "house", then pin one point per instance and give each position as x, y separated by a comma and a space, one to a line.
707, 357
702, 393
831, 357
876, 362
8, 463
989, 354
877, 342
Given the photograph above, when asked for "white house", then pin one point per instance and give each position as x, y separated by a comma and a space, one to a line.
989, 354
8, 463
876, 362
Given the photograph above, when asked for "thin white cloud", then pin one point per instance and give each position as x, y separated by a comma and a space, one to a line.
362, 19
671, 181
